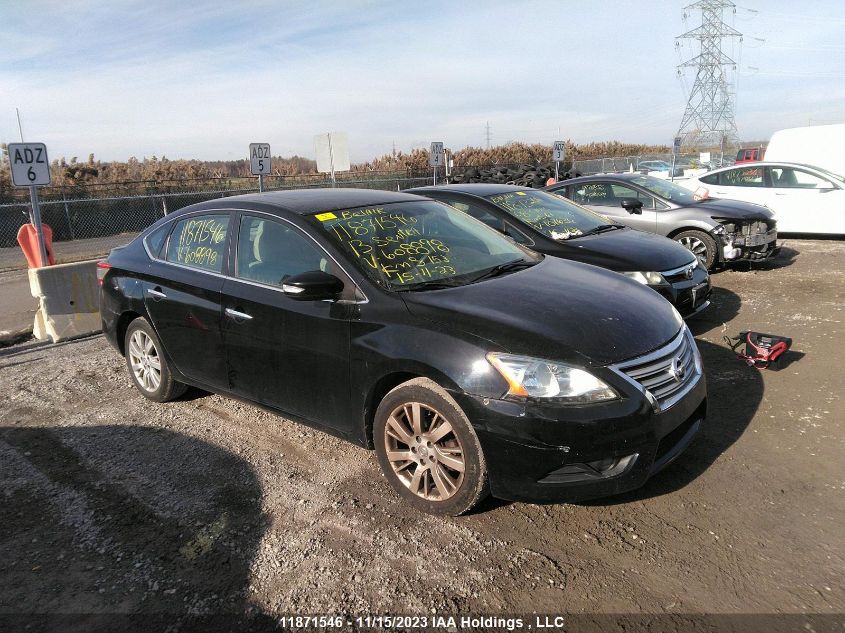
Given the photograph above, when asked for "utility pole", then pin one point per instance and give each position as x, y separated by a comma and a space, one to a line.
708, 120
488, 134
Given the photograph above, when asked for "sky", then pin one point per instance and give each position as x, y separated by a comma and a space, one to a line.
204, 79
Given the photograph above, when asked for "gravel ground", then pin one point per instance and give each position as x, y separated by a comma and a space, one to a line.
206, 505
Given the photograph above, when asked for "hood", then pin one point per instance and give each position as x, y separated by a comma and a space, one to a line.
622, 250
557, 310
734, 209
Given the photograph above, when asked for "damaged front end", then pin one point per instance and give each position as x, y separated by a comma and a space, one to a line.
750, 240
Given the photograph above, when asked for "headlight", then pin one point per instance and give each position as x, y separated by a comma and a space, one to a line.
534, 378
648, 278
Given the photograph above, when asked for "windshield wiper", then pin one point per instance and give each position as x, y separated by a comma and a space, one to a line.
438, 284
500, 269
601, 228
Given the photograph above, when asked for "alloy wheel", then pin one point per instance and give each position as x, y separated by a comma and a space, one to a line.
424, 451
145, 361
696, 246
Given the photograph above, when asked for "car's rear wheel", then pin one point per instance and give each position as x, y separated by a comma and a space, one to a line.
147, 365
701, 244
428, 449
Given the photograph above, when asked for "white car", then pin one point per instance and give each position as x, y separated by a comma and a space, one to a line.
804, 199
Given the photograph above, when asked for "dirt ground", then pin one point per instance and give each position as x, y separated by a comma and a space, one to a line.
207, 505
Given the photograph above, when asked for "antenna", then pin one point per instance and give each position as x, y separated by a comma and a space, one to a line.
708, 120
20, 129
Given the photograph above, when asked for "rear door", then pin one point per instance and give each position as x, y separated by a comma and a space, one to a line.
742, 183
287, 354
182, 296
605, 197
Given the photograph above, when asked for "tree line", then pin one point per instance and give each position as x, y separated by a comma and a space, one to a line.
74, 173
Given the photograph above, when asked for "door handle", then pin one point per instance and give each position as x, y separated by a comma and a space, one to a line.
238, 316
156, 294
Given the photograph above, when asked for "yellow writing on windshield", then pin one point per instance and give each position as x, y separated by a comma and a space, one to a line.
392, 244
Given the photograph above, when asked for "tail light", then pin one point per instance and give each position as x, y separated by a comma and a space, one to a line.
102, 268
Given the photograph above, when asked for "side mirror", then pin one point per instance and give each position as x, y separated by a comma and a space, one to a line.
632, 205
312, 286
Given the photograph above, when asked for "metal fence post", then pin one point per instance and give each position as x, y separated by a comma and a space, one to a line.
67, 215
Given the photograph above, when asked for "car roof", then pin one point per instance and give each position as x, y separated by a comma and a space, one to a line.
482, 189
767, 163
620, 176
306, 201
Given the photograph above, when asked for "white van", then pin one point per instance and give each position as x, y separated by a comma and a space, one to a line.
817, 145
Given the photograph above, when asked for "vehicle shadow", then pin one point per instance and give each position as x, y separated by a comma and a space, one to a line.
734, 393
724, 306
126, 528
785, 258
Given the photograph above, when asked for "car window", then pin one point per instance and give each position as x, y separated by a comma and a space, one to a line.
743, 177
517, 236
475, 210
710, 179
620, 192
269, 252
155, 240
403, 245
789, 178
199, 242
594, 193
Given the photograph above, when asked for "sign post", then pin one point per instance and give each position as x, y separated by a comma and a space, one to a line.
676, 148
558, 154
31, 168
332, 153
437, 157
260, 162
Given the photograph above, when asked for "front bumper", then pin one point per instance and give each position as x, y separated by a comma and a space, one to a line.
689, 296
539, 454
754, 247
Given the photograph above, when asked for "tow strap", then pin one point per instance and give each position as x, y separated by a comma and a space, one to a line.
761, 350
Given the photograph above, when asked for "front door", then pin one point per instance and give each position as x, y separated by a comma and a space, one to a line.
288, 354
606, 198
182, 297
805, 202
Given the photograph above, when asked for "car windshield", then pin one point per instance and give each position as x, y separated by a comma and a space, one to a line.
550, 214
665, 189
411, 245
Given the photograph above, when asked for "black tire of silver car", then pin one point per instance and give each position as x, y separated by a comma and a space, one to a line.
428, 450
702, 245
147, 365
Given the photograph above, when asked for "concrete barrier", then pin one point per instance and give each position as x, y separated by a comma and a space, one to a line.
68, 300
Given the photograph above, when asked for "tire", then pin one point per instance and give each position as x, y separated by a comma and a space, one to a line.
424, 468
147, 366
701, 244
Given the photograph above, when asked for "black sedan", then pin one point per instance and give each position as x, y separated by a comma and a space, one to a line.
554, 226
716, 231
470, 364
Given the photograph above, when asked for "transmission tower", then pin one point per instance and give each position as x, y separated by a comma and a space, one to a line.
708, 120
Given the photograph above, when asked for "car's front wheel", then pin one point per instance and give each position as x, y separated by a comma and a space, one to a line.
428, 449
701, 244
147, 365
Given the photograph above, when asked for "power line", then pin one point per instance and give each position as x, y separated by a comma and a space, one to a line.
708, 119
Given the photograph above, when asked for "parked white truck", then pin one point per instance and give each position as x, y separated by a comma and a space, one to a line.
817, 145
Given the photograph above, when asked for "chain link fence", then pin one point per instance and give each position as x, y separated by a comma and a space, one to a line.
79, 213
646, 163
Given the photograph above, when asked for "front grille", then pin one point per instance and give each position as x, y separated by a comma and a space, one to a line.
668, 373
680, 274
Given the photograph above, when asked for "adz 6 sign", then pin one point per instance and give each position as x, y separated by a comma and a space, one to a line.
29, 164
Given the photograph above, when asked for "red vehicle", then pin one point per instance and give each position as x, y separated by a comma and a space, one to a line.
750, 154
